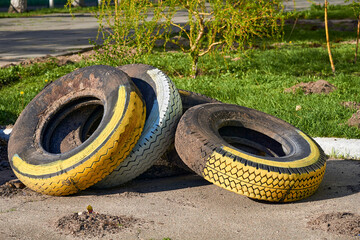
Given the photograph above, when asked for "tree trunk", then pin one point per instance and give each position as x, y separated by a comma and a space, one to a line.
18, 6
78, 3
194, 65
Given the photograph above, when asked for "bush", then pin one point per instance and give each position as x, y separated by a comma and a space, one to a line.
130, 28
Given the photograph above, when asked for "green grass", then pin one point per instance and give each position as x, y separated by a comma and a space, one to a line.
257, 80
45, 11
312, 33
334, 12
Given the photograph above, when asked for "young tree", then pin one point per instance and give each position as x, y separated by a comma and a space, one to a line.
131, 27
356, 7
225, 25
18, 6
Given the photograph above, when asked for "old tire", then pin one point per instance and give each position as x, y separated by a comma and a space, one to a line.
188, 99
249, 152
42, 150
164, 110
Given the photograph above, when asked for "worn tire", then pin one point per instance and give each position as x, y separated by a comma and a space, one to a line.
164, 111
249, 152
188, 99
42, 150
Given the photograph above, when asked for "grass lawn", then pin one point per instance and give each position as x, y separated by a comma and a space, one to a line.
255, 79
334, 12
44, 11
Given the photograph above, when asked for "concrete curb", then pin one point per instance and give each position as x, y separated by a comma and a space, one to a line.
335, 147
340, 147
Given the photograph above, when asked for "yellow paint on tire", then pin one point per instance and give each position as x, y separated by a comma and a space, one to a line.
100, 164
261, 184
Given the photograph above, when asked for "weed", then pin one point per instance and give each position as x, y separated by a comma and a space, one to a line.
13, 209
335, 154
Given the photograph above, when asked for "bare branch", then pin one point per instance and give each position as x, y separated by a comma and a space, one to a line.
210, 47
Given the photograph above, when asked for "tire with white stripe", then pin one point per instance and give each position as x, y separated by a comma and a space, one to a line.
55, 148
164, 109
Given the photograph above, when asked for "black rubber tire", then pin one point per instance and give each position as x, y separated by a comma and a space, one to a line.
42, 149
164, 110
249, 152
189, 99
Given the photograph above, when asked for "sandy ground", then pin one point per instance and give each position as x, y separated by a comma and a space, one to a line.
186, 207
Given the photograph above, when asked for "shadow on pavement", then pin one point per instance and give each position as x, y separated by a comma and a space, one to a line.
342, 178
189, 180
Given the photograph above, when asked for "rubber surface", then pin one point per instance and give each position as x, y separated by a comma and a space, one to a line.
164, 110
189, 99
249, 152
48, 121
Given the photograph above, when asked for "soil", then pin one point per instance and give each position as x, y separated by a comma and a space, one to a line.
181, 207
351, 105
85, 224
354, 121
69, 58
318, 87
9, 190
343, 223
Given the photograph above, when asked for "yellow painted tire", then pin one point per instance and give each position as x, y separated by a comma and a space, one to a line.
249, 152
44, 150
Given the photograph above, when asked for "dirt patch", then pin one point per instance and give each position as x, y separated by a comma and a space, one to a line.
354, 121
14, 188
85, 54
318, 87
351, 105
85, 224
343, 223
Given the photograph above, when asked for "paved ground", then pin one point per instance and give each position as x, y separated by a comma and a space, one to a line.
57, 34
22, 38
188, 207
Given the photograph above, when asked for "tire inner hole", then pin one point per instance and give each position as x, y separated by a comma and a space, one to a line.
251, 141
72, 125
